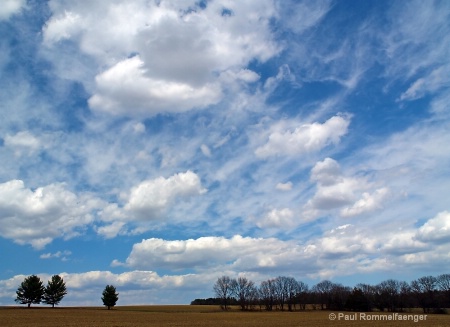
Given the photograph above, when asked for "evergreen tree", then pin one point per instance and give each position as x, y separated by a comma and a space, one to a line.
55, 291
110, 296
30, 291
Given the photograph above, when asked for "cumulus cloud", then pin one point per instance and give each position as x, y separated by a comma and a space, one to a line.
333, 189
111, 230
10, 7
306, 138
338, 247
355, 195
147, 203
206, 252
38, 216
124, 89
165, 57
150, 198
436, 230
326, 172
368, 203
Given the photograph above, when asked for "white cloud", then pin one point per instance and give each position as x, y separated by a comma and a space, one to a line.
147, 203
436, 230
305, 138
299, 16
422, 29
326, 172
60, 254
23, 142
344, 245
124, 89
206, 252
278, 218
162, 57
152, 197
139, 128
206, 150
63, 27
355, 195
10, 7
368, 203
111, 230
434, 81
245, 75
284, 186
403, 242
333, 189
37, 217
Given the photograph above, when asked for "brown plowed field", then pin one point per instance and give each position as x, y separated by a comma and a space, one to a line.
198, 316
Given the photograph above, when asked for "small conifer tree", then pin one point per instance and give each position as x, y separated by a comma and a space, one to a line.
110, 296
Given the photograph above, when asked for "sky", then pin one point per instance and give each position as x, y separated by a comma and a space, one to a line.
157, 145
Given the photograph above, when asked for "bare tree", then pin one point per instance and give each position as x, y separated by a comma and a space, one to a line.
323, 291
357, 301
389, 291
404, 298
267, 293
222, 289
443, 283
369, 292
302, 294
424, 289
244, 290
292, 289
339, 296
281, 291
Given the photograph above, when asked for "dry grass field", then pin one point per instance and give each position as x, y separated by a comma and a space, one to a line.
185, 315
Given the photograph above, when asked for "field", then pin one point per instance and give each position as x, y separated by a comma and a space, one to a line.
185, 315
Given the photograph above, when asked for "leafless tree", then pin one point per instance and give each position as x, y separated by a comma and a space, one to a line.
323, 291
424, 289
267, 293
292, 289
404, 299
443, 283
222, 289
244, 290
302, 294
339, 295
281, 291
369, 292
389, 291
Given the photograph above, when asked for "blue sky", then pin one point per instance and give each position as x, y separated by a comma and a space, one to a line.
158, 145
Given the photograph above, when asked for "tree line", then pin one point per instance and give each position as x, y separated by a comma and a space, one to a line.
430, 293
32, 291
